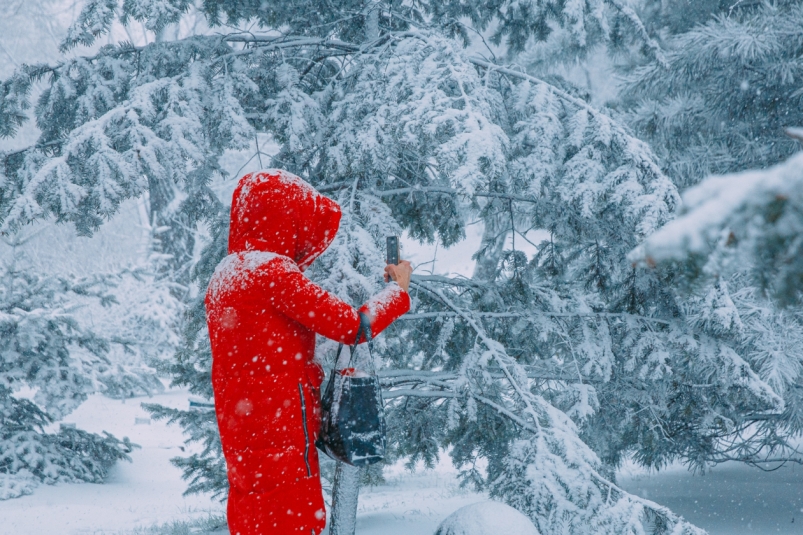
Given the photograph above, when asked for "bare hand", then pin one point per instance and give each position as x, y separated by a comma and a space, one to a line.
400, 273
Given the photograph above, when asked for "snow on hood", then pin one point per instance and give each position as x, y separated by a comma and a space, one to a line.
275, 211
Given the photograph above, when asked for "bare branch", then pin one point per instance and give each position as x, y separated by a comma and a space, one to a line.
456, 281
794, 133
649, 42
418, 394
525, 315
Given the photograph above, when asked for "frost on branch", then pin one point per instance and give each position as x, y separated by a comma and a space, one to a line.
45, 349
743, 220
116, 125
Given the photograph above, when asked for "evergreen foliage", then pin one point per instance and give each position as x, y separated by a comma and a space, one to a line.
731, 86
192, 368
745, 223
744, 228
724, 104
44, 349
551, 369
142, 324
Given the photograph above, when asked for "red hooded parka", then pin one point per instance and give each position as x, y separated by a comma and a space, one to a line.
263, 314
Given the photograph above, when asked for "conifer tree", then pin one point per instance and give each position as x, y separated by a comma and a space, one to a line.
730, 80
550, 368
730, 86
46, 350
745, 228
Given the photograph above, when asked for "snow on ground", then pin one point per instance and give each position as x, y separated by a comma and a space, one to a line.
148, 491
412, 503
487, 518
731, 499
728, 500
144, 492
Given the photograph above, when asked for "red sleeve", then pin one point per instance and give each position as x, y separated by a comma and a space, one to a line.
297, 297
385, 307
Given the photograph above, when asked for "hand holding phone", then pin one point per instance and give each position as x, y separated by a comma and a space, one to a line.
392, 256
397, 269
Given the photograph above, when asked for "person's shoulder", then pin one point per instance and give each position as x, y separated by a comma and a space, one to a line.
240, 269
254, 262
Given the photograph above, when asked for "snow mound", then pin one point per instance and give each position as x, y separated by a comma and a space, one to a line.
487, 518
16, 485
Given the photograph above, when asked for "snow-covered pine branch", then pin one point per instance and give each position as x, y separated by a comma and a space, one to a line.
741, 220
547, 471
47, 352
744, 228
390, 121
730, 88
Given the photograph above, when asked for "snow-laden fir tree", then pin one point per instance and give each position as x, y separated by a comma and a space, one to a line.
745, 227
143, 325
192, 368
722, 102
49, 364
730, 85
736, 312
550, 369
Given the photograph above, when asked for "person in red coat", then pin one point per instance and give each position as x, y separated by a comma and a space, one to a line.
263, 314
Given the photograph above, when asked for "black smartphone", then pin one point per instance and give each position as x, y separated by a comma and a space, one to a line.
393, 250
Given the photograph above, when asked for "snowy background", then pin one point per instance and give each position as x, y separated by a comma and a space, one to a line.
144, 497
618, 181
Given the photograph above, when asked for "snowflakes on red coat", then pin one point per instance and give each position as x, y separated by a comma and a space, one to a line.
263, 314
277, 211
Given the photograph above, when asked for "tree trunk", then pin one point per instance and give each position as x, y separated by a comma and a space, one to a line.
497, 227
172, 234
372, 21
345, 491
